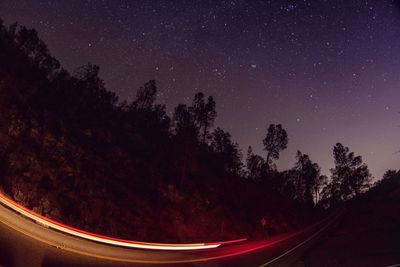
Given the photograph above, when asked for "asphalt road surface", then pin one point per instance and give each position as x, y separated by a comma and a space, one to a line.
24, 242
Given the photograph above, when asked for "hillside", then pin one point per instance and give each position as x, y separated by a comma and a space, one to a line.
71, 151
367, 235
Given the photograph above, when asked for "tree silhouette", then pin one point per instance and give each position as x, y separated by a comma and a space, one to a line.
307, 178
275, 141
204, 113
318, 186
186, 134
93, 102
350, 177
227, 151
184, 123
92, 88
147, 116
30, 44
389, 174
254, 164
146, 96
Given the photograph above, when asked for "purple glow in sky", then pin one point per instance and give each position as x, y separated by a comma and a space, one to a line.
328, 71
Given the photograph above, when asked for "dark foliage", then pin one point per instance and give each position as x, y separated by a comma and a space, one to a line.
350, 177
275, 141
70, 151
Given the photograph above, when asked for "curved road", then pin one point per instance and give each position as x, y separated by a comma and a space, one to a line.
24, 242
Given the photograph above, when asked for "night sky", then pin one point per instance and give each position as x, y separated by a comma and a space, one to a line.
328, 71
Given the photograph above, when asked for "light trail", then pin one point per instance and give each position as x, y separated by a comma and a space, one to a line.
221, 253
104, 239
229, 242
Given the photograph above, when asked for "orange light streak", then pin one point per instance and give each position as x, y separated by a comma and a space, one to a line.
99, 238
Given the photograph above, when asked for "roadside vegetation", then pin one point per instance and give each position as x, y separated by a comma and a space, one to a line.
72, 151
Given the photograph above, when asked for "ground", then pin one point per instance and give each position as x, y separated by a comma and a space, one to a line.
367, 235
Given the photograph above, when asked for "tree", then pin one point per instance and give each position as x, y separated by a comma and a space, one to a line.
184, 123
186, 134
350, 177
90, 103
146, 96
148, 117
318, 186
389, 174
254, 165
227, 151
308, 172
93, 90
204, 113
330, 194
275, 141
31, 45
304, 180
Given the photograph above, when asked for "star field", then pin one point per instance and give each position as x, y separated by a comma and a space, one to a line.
326, 70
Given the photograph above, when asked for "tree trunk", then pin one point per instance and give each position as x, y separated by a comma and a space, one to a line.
205, 133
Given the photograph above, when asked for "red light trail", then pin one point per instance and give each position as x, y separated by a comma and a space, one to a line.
105, 239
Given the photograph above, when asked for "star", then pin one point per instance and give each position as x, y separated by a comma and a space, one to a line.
270, 51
